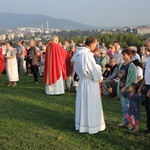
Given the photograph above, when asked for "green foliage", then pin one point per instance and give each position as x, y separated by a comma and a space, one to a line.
125, 39
30, 119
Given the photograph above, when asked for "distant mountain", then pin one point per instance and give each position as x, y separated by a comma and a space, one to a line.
13, 21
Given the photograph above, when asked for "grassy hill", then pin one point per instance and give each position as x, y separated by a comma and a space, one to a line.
30, 119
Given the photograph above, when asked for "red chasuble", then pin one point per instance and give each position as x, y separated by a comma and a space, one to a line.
69, 67
2, 63
54, 63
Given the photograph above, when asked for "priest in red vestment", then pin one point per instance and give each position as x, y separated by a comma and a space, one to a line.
54, 68
2, 63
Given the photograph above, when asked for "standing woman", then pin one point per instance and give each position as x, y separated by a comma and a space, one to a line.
89, 112
11, 64
127, 75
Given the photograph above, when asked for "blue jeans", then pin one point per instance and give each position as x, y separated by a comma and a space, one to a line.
125, 107
21, 64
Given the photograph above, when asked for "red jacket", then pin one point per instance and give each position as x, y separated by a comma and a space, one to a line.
2, 63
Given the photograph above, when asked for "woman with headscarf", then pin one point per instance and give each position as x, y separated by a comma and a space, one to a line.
11, 64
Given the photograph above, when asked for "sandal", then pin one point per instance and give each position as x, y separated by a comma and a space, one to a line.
10, 84
15, 84
129, 125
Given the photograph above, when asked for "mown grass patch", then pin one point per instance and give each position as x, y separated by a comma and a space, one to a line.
30, 119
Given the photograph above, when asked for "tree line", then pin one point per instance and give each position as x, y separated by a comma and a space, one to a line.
125, 39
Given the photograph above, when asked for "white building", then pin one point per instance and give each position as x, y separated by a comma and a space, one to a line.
11, 36
29, 29
20, 35
2, 37
143, 30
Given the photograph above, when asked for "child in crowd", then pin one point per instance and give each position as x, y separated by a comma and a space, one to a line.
133, 114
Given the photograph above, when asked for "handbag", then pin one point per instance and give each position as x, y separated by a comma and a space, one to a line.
76, 77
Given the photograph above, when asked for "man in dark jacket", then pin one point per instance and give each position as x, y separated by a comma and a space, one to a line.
33, 60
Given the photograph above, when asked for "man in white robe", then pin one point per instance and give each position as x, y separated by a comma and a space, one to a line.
89, 112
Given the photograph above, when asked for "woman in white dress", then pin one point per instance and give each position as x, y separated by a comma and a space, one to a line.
11, 64
89, 112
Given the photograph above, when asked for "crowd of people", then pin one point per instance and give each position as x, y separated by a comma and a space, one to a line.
93, 68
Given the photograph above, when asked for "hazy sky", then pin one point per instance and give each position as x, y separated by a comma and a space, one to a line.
91, 12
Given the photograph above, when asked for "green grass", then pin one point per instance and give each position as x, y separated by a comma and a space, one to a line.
32, 120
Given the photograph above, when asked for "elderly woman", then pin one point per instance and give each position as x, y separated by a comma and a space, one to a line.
104, 59
145, 55
135, 55
11, 64
89, 112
